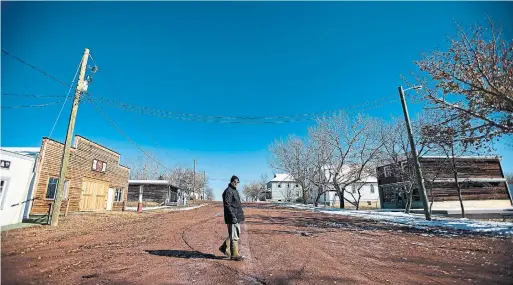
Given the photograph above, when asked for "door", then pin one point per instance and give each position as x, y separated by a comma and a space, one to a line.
110, 199
94, 195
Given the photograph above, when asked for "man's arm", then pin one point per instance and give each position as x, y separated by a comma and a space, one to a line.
227, 202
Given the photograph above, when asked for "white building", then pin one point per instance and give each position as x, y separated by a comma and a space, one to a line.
284, 188
366, 187
17, 178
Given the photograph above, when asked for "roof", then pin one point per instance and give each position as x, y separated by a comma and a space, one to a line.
28, 151
283, 177
463, 157
150, 182
17, 154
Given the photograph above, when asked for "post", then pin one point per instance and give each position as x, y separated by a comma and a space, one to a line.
139, 204
418, 171
204, 184
67, 145
194, 181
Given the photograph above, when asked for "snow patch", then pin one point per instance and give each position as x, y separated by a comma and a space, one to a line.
167, 208
417, 220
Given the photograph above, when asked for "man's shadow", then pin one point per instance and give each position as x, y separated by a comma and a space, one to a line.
184, 254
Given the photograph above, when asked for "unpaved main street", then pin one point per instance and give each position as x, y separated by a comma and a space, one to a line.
282, 246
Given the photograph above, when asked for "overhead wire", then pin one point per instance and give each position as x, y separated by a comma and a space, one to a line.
35, 68
65, 100
136, 119
125, 135
33, 95
32, 106
236, 120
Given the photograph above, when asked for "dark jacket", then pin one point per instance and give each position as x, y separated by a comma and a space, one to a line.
233, 213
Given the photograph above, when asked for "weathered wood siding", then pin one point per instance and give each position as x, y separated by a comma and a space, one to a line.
440, 168
151, 193
80, 166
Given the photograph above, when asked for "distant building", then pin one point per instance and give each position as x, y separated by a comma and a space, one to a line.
367, 187
17, 177
481, 179
154, 193
283, 188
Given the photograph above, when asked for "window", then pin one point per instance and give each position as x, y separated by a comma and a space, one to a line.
288, 185
386, 170
3, 188
118, 195
279, 185
99, 165
52, 188
372, 189
5, 164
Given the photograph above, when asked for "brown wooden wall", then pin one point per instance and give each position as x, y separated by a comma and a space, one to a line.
151, 193
80, 167
448, 192
440, 168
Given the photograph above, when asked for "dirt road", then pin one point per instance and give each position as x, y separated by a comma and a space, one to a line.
282, 246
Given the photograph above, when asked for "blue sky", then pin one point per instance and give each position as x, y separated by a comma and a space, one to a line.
226, 58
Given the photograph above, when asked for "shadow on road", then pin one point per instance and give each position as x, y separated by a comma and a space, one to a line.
184, 254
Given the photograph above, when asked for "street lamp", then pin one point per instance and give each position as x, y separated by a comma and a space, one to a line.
418, 171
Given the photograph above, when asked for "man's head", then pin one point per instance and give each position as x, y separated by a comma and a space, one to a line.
234, 181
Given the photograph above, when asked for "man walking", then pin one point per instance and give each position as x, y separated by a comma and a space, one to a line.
233, 215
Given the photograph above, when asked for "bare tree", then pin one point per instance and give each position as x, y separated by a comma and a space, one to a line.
509, 177
356, 146
209, 193
294, 157
145, 168
322, 156
476, 78
396, 152
448, 140
186, 181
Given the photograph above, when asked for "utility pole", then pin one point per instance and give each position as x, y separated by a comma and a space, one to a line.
204, 184
418, 171
67, 145
194, 180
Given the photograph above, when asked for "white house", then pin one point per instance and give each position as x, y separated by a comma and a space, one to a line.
284, 188
17, 178
367, 188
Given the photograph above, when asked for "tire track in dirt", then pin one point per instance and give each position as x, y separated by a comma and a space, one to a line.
242, 273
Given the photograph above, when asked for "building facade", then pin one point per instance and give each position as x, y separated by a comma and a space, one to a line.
17, 175
154, 193
481, 180
283, 188
95, 181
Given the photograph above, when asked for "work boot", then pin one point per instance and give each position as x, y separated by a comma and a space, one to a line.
225, 247
235, 251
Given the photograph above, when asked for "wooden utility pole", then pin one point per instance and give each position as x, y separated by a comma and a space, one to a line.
67, 145
416, 163
204, 184
194, 180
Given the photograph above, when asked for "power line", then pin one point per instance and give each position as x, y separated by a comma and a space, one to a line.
233, 120
216, 119
137, 120
32, 95
125, 135
31, 106
35, 68
65, 100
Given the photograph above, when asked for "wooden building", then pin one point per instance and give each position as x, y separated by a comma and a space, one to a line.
95, 181
155, 193
481, 180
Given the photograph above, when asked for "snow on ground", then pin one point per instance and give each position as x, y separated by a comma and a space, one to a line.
167, 208
417, 221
